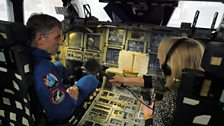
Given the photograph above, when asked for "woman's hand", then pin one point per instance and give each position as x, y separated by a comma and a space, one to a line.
118, 80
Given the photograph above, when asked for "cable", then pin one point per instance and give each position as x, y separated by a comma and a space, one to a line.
138, 98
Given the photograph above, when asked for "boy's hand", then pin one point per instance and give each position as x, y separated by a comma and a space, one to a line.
73, 91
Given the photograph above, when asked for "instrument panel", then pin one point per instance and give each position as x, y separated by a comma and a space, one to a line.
113, 108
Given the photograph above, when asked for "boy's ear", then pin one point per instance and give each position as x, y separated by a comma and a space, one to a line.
39, 37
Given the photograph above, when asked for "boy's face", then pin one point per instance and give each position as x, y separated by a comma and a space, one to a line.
53, 40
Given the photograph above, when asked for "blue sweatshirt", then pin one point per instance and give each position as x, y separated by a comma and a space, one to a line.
56, 102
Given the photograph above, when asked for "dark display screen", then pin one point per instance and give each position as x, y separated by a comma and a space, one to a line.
138, 35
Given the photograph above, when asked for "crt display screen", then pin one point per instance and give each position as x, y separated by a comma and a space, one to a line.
75, 39
156, 38
137, 46
93, 42
112, 55
116, 36
154, 66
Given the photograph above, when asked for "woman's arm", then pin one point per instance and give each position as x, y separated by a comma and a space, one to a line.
128, 81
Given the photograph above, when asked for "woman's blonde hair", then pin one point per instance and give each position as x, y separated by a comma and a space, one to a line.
187, 55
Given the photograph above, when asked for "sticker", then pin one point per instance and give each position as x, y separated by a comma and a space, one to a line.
205, 88
190, 101
2, 57
4, 35
216, 61
202, 119
18, 76
2, 69
57, 96
51, 81
26, 68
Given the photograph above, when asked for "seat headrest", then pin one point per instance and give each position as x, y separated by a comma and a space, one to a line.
12, 33
212, 61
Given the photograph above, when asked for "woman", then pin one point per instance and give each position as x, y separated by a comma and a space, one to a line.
174, 55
